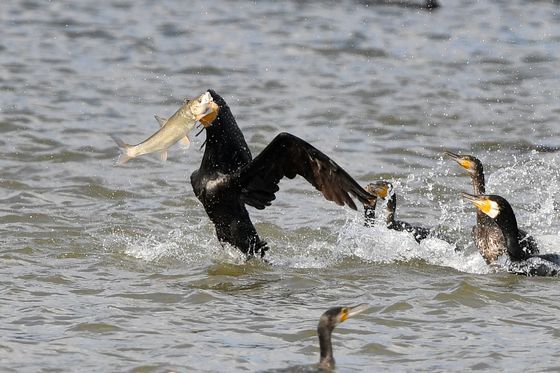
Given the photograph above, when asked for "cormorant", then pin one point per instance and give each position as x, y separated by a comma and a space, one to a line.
488, 237
328, 321
522, 260
384, 189
228, 177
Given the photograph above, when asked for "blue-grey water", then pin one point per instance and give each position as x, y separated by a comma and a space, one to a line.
117, 269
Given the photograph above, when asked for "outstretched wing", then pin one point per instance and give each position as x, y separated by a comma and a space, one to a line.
288, 155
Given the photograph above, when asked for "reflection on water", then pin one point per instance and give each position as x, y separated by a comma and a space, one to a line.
118, 269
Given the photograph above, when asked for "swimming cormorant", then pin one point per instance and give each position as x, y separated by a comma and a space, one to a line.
228, 177
384, 189
522, 260
488, 237
328, 321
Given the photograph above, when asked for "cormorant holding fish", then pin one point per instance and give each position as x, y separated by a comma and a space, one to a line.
228, 177
487, 235
523, 261
385, 190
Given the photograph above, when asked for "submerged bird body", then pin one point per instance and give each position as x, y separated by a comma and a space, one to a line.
228, 178
523, 261
385, 190
487, 235
172, 130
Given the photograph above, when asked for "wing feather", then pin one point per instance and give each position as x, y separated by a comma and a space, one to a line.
288, 156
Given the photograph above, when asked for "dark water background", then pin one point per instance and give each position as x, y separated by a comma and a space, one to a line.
118, 269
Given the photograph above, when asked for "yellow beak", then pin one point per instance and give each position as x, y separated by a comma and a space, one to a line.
207, 118
481, 203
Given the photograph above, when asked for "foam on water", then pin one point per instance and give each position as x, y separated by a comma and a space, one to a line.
380, 245
532, 186
522, 182
375, 244
183, 244
317, 254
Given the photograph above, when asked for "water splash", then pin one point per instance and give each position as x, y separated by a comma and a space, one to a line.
317, 254
532, 185
184, 244
380, 245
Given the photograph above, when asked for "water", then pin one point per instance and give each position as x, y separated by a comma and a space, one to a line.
118, 269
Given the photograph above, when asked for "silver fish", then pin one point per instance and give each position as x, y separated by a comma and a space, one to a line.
172, 130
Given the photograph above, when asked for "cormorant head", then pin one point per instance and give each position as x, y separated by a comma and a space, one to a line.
382, 189
468, 162
492, 205
217, 102
334, 316
370, 188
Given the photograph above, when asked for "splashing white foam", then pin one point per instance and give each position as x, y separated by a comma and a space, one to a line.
197, 243
381, 245
532, 185
185, 244
317, 254
372, 244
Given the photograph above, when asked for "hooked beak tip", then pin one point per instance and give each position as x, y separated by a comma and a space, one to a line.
470, 197
357, 309
451, 155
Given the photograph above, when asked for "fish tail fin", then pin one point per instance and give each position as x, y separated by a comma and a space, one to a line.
163, 155
125, 149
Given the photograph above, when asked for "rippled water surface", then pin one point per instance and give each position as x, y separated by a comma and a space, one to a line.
108, 268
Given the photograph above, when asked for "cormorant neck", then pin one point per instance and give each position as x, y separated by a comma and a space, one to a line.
390, 209
478, 181
226, 149
508, 224
369, 214
325, 345
224, 124
479, 188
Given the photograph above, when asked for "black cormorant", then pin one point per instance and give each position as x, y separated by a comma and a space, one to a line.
328, 321
488, 237
228, 177
384, 189
523, 261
